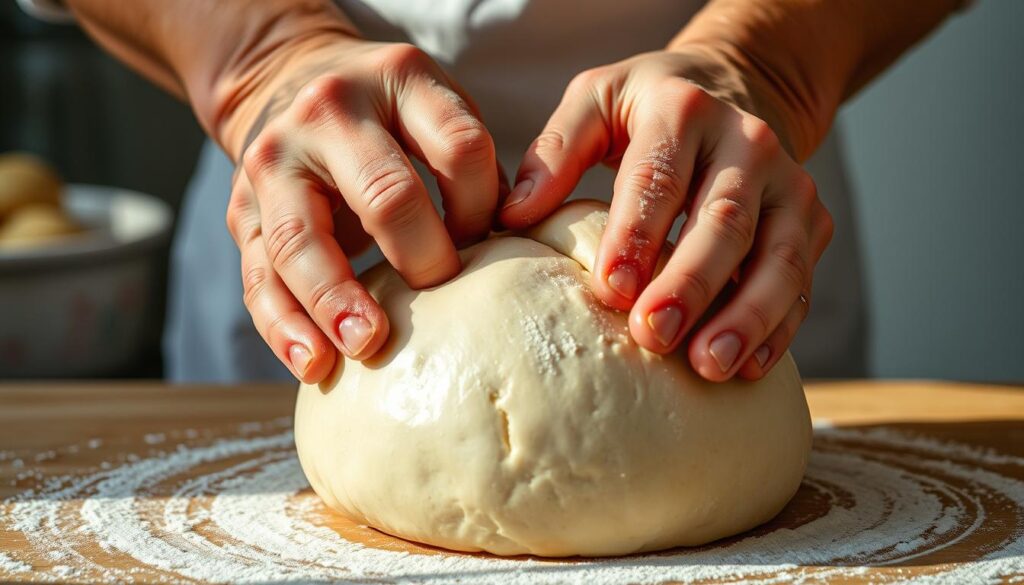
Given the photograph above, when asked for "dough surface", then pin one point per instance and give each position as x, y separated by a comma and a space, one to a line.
511, 412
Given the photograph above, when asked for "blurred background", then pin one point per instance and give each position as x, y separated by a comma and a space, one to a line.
933, 150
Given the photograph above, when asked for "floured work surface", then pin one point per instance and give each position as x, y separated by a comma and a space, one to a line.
131, 482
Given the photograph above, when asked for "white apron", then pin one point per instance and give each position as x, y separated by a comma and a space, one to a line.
515, 58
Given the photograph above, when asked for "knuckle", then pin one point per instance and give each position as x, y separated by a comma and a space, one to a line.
426, 272
688, 99
758, 315
657, 181
254, 281
804, 185
731, 221
696, 286
805, 189
467, 142
584, 80
250, 230
273, 327
550, 140
390, 196
263, 155
402, 58
243, 227
233, 219
636, 239
326, 298
320, 100
287, 240
242, 220
322, 297
791, 260
765, 142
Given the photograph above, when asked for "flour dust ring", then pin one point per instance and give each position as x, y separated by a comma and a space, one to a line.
239, 509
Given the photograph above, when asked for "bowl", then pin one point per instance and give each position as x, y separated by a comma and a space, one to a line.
78, 306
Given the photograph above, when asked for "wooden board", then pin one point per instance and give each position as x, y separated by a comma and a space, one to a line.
920, 429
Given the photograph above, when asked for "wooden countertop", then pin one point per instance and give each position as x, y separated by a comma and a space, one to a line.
961, 444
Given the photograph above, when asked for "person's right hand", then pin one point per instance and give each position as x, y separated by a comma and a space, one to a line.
328, 122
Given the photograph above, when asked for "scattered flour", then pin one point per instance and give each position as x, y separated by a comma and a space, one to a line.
660, 162
549, 346
239, 510
9, 566
154, 438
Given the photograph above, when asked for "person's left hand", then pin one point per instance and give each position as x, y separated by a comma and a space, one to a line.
680, 129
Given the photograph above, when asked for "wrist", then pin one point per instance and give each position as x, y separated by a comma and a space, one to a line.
251, 97
753, 87
229, 94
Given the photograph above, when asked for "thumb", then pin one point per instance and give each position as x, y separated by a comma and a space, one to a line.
574, 139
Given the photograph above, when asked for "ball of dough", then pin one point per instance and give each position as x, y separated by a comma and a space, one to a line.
25, 180
511, 412
34, 225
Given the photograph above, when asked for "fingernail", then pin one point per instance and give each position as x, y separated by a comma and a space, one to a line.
762, 354
623, 280
665, 323
355, 333
519, 194
300, 358
725, 349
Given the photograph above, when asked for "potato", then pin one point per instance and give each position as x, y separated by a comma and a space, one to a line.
34, 225
26, 180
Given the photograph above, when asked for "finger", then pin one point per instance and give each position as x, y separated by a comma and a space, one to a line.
768, 353
298, 235
440, 128
650, 191
380, 185
344, 140
779, 270
574, 139
716, 237
503, 185
280, 319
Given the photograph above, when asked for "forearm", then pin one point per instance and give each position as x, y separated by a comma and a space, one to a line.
810, 55
211, 54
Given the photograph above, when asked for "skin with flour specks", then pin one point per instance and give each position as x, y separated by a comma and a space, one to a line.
532, 423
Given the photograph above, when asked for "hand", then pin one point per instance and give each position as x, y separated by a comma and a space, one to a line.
680, 127
324, 170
